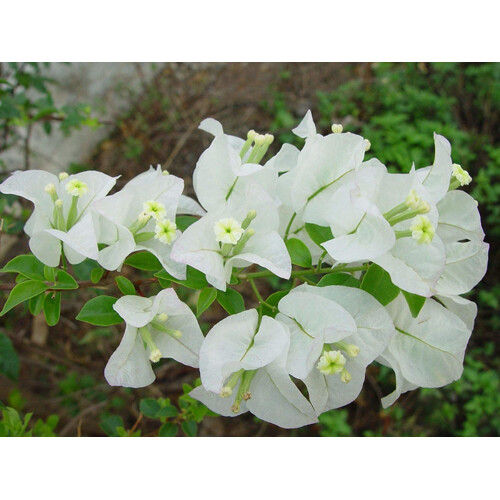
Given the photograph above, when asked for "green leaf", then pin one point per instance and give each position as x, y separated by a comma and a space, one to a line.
64, 281
167, 411
22, 292
319, 234
299, 253
109, 425
231, 300
49, 273
36, 304
415, 302
190, 428
342, 279
168, 430
27, 265
99, 311
273, 300
194, 279
149, 407
144, 261
378, 283
125, 285
184, 221
207, 296
96, 274
9, 361
52, 308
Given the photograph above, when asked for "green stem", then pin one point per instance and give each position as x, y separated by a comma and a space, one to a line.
261, 300
305, 272
287, 231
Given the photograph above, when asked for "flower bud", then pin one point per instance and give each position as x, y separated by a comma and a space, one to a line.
368, 144
225, 392
58, 203
63, 175
155, 355
345, 376
337, 128
51, 189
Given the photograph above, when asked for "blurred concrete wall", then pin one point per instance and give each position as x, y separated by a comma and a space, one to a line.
109, 88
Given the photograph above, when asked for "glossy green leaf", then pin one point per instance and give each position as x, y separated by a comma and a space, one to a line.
415, 302
96, 274
125, 285
36, 304
21, 292
231, 300
99, 311
194, 279
144, 261
184, 221
378, 283
64, 281
52, 308
319, 234
342, 279
207, 296
27, 265
299, 253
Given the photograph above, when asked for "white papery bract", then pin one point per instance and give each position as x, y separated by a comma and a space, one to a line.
221, 167
427, 351
142, 217
333, 318
62, 218
156, 327
323, 165
243, 368
200, 247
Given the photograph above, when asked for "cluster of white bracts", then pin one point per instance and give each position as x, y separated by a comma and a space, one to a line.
426, 234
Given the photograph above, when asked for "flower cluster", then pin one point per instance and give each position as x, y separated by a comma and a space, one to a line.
291, 360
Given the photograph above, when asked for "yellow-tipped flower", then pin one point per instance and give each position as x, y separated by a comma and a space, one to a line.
76, 187
461, 175
422, 229
228, 230
165, 231
155, 209
331, 362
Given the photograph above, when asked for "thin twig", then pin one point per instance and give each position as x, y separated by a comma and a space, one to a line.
87, 411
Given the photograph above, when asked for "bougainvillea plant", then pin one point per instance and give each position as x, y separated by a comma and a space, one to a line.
374, 265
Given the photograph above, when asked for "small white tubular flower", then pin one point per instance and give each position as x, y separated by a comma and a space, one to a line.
373, 330
228, 230
147, 340
76, 187
155, 209
63, 175
242, 368
337, 128
422, 229
144, 217
51, 189
155, 355
460, 174
165, 231
413, 200
331, 362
